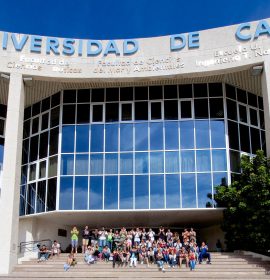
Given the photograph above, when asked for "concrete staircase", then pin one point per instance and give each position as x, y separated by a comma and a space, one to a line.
224, 266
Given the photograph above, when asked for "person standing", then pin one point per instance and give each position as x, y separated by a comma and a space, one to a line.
85, 238
74, 239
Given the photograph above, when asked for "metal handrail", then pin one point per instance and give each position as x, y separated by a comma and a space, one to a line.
24, 245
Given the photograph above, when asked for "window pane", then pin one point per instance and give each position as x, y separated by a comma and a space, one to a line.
215, 89
156, 162
204, 187
35, 125
242, 113
172, 162
141, 136
45, 121
156, 191
111, 192
202, 134
255, 140
217, 134
81, 164
83, 95
126, 137
216, 108
111, 163
66, 193
68, 114
141, 93
81, 192
97, 95
261, 119
43, 145
230, 92
52, 166
112, 94
67, 162
156, 111
55, 117
82, 138
201, 108
186, 109
69, 96
83, 113
156, 136
187, 135
31, 198
241, 95
126, 93
253, 117
172, 191
96, 192
26, 129
126, 192
141, 162
54, 134
141, 111
34, 148
141, 192
111, 141
171, 110
155, 92
233, 135
170, 92
96, 164
126, 163
97, 113
200, 90
231, 110
126, 112
185, 91
244, 138
235, 161
55, 99
42, 169
203, 160
188, 191
97, 138
41, 197
187, 161
171, 135
112, 112
51, 194
219, 160
219, 178
32, 172
68, 132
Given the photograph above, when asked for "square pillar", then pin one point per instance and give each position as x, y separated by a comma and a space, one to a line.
10, 192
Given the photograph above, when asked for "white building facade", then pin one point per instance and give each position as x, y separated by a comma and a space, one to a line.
126, 132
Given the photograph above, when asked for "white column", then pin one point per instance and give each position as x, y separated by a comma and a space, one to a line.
10, 193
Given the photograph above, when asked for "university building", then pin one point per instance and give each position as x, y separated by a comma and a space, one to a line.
126, 132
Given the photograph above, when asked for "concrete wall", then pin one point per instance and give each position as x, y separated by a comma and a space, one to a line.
210, 235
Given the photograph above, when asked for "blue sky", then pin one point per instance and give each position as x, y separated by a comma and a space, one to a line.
112, 19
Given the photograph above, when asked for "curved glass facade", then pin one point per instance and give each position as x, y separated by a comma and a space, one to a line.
156, 147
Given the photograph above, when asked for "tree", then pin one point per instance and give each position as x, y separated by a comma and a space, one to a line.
246, 219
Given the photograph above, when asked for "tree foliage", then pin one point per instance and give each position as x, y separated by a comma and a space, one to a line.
246, 220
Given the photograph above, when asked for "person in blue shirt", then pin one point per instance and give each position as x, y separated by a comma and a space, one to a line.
204, 253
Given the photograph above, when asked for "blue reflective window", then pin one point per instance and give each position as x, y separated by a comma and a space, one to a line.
81, 164
126, 137
141, 136
172, 191
67, 163
97, 136
141, 192
81, 192
111, 192
188, 186
187, 134
171, 135
96, 164
141, 162
111, 141
204, 187
171, 162
126, 192
187, 161
202, 134
96, 192
217, 134
66, 193
156, 136
82, 138
156, 162
156, 191
111, 163
126, 163
219, 160
68, 133
203, 160
219, 178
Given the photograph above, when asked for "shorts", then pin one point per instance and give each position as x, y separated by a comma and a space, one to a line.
85, 242
74, 243
129, 242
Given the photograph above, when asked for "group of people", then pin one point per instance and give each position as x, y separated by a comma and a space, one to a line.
128, 247
44, 252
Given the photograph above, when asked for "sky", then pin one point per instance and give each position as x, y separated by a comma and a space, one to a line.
125, 19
